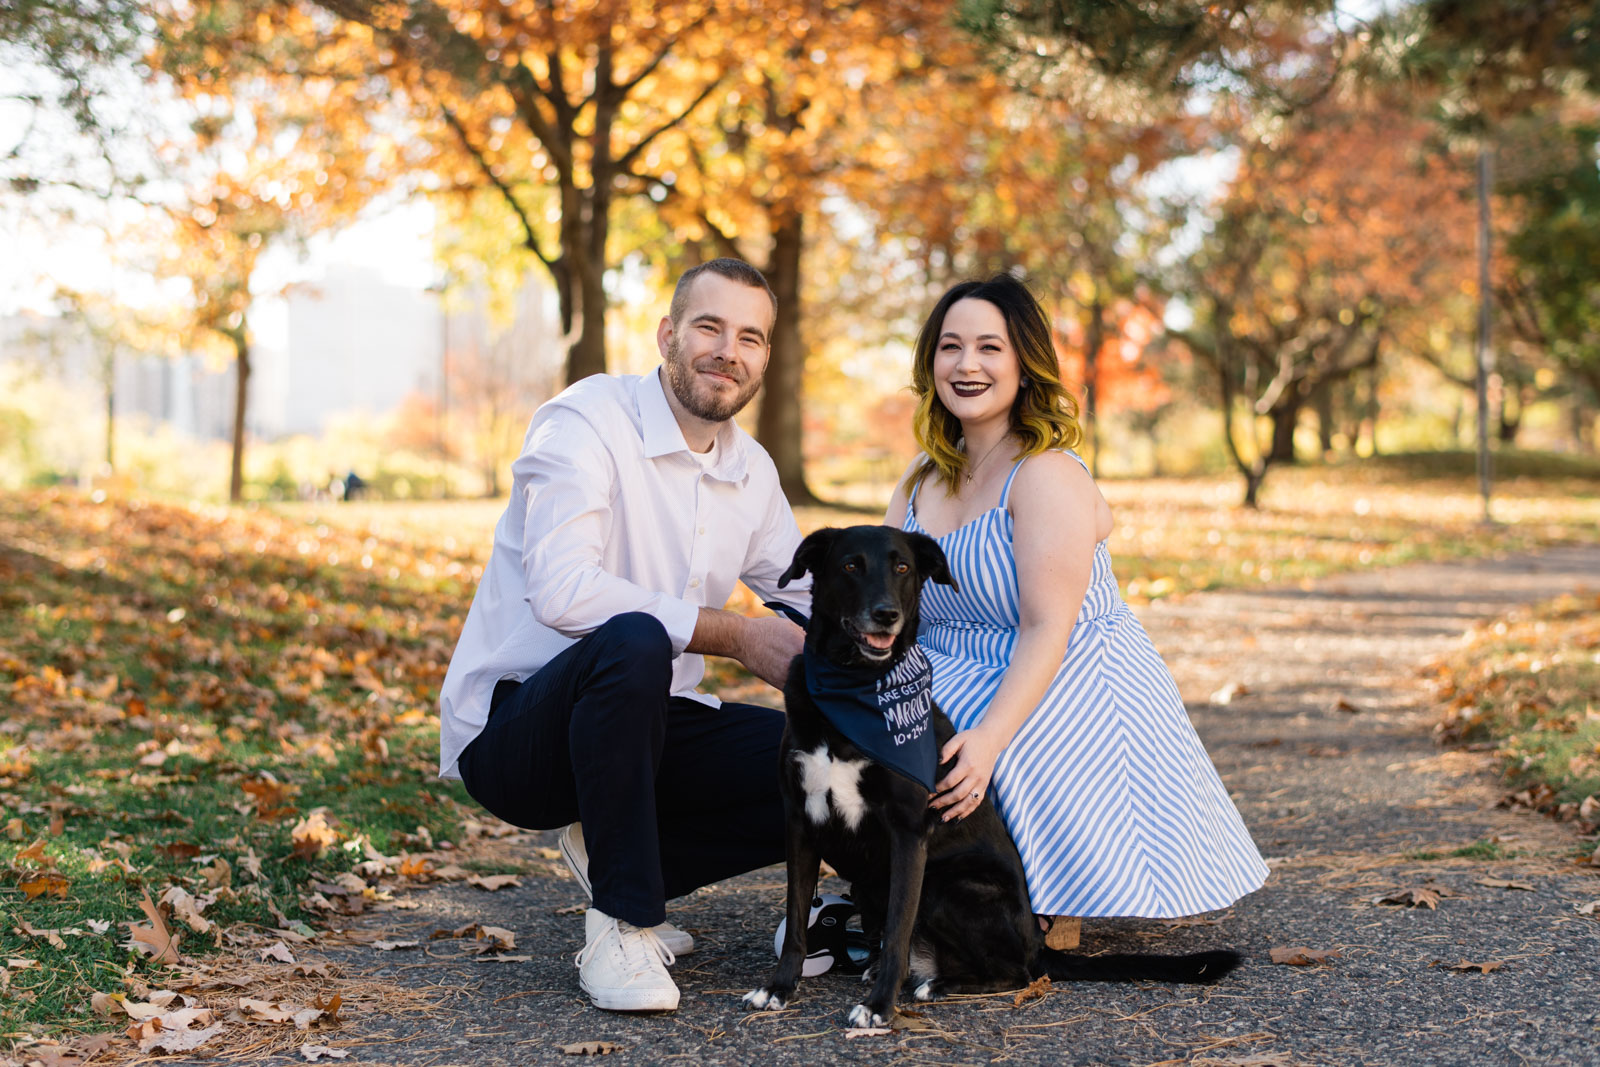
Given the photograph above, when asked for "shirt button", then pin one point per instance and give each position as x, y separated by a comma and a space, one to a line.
694, 583
702, 530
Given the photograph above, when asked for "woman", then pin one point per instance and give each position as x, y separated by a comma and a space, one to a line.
1065, 713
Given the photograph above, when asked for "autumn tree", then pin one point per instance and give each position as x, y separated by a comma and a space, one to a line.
1343, 218
255, 170
803, 118
557, 107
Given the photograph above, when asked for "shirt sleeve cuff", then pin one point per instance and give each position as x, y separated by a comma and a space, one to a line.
680, 618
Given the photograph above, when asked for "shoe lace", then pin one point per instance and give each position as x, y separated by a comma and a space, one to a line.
636, 949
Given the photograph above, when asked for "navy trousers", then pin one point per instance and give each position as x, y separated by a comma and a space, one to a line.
672, 794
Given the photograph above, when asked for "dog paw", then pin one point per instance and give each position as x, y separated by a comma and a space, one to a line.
870, 975
924, 990
764, 1000
862, 1016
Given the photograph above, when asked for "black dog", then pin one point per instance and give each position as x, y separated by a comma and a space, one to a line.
946, 901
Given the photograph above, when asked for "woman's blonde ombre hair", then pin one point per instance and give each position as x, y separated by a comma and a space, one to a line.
1044, 416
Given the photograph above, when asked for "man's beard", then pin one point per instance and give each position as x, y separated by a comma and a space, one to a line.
686, 387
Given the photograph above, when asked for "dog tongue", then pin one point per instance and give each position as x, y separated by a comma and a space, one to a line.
878, 640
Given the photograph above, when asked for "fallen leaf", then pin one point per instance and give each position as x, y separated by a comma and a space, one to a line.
1304, 957
276, 951
1036, 990
266, 1011
868, 1031
395, 946
1483, 968
1421, 897
1347, 707
1227, 693
171, 1033
156, 939
311, 835
498, 937
1501, 883
572, 909
219, 874
495, 881
48, 882
99, 926
1589, 908
20, 963
313, 1053
312, 970
16, 829
590, 1048
186, 909
179, 850
250, 864
34, 853
52, 936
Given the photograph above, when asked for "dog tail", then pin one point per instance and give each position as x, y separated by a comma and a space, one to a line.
1199, 968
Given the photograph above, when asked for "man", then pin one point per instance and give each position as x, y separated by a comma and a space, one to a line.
636, 504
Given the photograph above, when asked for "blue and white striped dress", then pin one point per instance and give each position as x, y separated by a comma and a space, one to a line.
1106, 789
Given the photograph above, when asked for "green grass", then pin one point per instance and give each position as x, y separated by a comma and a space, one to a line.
1529, 684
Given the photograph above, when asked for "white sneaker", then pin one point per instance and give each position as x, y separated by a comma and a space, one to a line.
624, 967
577, 857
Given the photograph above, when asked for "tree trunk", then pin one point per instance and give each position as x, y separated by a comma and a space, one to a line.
111, 410
1372, 410
1252, 487
1285, 418
1511, 420
1322, 402
779, 426
241, 365
1093, 338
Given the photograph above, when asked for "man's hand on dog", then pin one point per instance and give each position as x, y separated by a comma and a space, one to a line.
767, 646
960, 792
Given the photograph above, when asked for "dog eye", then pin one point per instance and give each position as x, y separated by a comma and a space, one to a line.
902, 567
850, 568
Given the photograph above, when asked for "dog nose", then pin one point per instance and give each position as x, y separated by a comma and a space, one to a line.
884, 615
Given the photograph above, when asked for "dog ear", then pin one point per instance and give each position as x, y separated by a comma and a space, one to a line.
809, 554
931, 564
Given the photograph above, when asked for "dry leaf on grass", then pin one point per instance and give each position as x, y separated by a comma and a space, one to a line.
311, 835
155, 940
313, 1053
45, 883
868, 1031
186, 909
1482, 968
1036, 990
34, 854
495, 881
1501, 883
27, 929
20, 963
1304, 957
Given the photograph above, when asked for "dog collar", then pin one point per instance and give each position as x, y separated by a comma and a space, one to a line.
885, 712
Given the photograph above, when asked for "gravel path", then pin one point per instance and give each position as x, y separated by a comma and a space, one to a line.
1310, 702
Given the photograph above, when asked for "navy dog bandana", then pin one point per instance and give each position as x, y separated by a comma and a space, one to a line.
885, 712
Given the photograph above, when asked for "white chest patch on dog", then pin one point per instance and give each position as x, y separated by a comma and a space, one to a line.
826, 780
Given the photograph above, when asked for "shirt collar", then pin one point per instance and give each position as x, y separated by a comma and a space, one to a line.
663, 436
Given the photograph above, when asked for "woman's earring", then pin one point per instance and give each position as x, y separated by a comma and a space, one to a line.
1025, 382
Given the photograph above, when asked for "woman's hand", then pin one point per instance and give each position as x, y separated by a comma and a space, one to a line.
961, 791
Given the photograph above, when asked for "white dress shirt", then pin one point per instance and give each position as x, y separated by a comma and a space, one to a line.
611, 512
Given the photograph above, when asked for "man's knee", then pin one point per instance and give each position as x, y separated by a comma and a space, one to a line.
638, 636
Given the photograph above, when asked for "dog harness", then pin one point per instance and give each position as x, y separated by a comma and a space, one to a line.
887, 712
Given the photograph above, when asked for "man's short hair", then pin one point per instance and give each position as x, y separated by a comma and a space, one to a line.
734, 269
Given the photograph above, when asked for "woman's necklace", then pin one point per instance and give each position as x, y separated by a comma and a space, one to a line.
973, 470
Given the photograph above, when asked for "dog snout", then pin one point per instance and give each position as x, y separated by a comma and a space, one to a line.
886, 615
